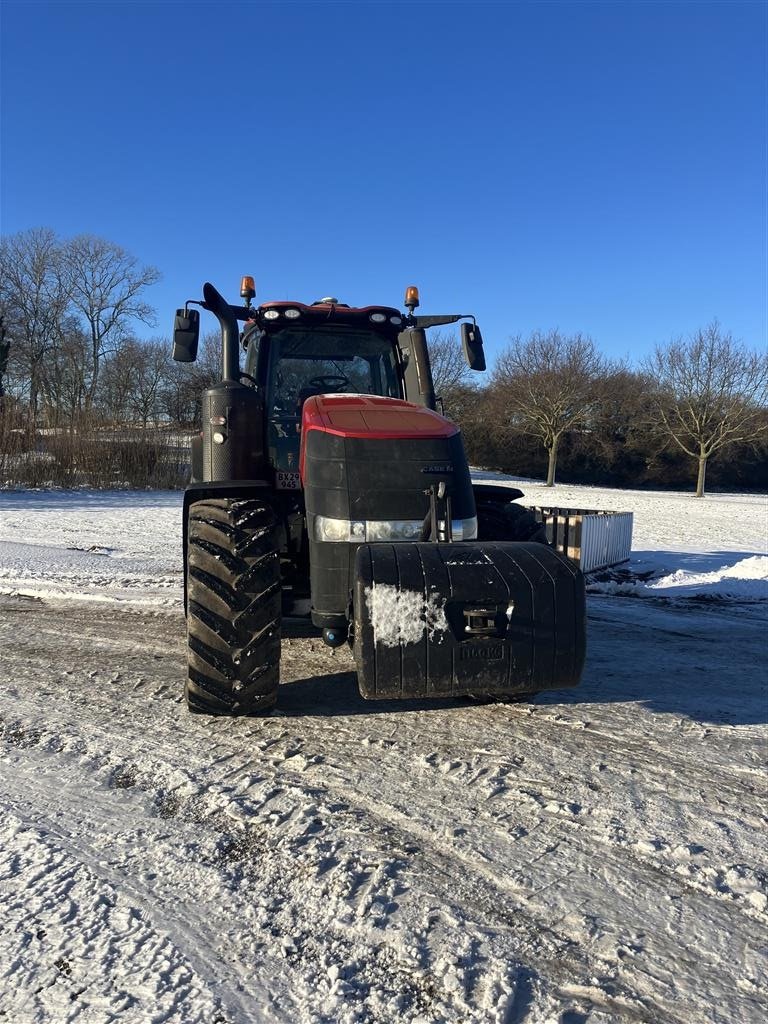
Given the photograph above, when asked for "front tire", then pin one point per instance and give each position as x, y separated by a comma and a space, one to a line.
508, 521
233, 607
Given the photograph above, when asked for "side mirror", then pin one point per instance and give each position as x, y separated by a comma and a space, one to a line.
186, 334
472, 343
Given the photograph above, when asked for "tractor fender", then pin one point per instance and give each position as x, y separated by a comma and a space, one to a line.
496, 492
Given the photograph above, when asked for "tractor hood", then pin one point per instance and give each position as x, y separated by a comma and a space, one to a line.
370, 417
367, 467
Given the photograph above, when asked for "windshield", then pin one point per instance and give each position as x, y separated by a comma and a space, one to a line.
317, 362
304, 363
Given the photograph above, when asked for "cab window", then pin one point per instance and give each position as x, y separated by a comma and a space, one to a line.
317, 362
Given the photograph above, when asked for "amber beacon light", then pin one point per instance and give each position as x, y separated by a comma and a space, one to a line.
247, 288
411, 297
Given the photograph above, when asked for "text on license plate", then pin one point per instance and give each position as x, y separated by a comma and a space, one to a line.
288, 480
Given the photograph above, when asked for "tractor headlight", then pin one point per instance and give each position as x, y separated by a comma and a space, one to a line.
462, 529
379, 530
271, 314
384, 530
334, 530
371, 531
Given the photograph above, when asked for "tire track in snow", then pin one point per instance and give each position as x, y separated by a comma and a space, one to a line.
327, 760
87, 813
460, 898
92, 752
72, 927
434, 867
224, 861
438, 863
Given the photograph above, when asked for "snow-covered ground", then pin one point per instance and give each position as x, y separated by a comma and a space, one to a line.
597, 855
86, 545
102, 545
682, 546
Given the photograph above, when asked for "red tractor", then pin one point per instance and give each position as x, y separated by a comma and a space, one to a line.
325, 482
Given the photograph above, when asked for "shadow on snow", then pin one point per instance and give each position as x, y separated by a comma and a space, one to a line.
702, 660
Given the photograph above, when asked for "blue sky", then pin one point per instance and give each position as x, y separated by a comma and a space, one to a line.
595, 167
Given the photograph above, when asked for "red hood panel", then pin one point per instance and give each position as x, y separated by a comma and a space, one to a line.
374, 417
370, 416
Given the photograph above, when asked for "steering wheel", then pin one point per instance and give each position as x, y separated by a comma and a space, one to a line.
330, 380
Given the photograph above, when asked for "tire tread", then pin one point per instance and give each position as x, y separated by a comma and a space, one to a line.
234, 607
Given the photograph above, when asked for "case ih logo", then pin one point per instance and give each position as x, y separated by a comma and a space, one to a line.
493, 652
442, 467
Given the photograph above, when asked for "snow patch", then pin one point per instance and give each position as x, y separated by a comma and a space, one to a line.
746, 579
402, 616
742, 580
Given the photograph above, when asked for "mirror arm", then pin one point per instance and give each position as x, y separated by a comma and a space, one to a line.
439, 321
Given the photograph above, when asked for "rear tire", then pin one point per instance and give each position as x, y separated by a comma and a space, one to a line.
233, 607
508, 521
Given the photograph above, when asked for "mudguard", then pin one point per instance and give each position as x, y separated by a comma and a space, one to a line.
442, 620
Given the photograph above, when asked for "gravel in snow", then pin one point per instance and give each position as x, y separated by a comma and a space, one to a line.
596, 855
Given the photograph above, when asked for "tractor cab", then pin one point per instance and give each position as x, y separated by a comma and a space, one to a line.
293, 354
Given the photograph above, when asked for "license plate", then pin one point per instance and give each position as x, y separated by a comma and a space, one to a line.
288, 480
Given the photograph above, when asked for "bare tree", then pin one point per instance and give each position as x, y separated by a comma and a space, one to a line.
549, 383
5, 347
65, 376
206, 371
105, 285
148, 380
113, 398
186, 382
449, 368
33, 298
180, 399
710, 393
622, 428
